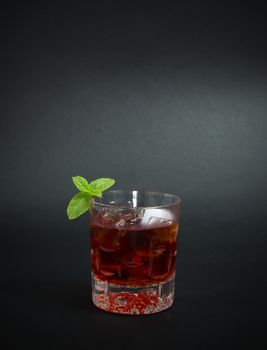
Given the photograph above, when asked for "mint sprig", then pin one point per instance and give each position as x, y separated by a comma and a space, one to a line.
82, 201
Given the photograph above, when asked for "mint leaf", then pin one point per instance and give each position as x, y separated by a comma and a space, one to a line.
82, 201
81, 183
94, 192
78, 205
101, 184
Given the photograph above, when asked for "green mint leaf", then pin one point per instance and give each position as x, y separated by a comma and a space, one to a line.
101, 184
78, 205
82, 201
81, 183
95, 192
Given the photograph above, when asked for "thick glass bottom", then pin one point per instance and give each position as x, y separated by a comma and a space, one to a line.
132, 300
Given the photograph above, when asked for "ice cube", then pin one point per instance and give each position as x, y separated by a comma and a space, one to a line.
114, 217
109, 249
132, 264
137, 216
159, 250
154, 221
108, 216
161, 216
107, 273
128, 217
120, 223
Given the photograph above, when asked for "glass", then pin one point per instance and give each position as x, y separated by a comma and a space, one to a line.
133, 250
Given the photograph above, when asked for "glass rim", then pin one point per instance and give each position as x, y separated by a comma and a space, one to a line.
177, 199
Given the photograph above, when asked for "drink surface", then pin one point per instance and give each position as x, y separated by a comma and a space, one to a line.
127, 250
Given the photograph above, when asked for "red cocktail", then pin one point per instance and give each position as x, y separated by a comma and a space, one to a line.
133, 250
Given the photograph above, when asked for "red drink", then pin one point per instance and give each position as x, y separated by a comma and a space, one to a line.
134, 255
133, 251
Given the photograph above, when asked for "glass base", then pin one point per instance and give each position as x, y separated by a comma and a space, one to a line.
132, 300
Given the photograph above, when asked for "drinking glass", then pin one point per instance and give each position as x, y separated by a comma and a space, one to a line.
133, 251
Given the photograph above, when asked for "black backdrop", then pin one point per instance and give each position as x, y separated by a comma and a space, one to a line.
165, 96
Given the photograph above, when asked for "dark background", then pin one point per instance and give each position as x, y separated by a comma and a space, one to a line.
165, 96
